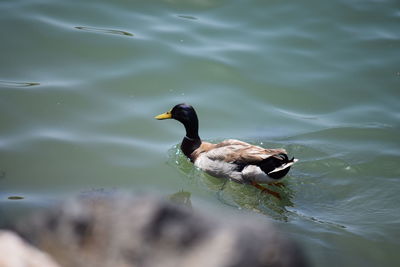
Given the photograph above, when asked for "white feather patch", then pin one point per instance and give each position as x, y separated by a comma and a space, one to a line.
218, 168
284, 166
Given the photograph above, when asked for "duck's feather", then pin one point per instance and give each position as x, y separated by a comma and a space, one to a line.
236, 151
240, 161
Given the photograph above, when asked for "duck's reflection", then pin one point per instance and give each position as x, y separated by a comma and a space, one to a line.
181, 198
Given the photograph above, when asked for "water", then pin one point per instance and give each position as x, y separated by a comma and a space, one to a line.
80, 82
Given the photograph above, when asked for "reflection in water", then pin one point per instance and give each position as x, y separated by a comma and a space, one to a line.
17, 84
233, 194
182, 198
93, 29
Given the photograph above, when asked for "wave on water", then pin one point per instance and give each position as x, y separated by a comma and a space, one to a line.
14, 84
107, 31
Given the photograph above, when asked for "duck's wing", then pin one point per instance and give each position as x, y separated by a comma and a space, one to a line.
236, 151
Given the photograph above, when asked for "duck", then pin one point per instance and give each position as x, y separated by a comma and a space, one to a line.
233, 159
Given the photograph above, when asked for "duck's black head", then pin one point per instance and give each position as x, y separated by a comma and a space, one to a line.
185, 114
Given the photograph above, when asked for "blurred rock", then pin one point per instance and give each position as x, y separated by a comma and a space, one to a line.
14, 252
147, 232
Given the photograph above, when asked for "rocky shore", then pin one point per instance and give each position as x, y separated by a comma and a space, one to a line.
142, 231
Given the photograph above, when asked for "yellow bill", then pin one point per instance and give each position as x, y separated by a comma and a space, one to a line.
164, 116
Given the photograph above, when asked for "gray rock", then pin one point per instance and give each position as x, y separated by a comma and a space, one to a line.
148, 232
15, 252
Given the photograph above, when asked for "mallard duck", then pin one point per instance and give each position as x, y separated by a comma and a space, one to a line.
236, 160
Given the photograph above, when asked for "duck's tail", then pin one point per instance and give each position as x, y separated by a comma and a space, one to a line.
277, 167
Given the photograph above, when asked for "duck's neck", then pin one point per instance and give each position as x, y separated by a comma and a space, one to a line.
189, 145
192, 140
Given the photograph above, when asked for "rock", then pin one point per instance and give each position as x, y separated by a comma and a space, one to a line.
14, 252
148, 232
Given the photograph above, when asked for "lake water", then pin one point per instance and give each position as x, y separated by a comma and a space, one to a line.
80, 83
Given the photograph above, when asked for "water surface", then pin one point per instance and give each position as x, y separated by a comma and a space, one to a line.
80, 83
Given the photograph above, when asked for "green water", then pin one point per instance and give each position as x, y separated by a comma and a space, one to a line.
80, 82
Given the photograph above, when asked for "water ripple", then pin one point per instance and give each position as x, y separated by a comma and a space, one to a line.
187, 17
18, 84
100, 30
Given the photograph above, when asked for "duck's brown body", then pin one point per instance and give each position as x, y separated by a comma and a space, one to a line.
240, 161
